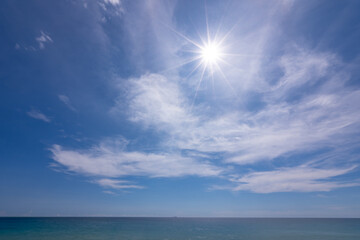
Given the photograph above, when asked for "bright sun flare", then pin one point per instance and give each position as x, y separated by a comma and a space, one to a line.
210, 53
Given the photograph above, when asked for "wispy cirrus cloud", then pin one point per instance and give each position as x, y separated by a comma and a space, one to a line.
156, 101
113, 2
296, 179
66, 100
109, 192
112, 7
306, 107
42, 39
116, 184
38, 115
313, 121
111, 160
323, 118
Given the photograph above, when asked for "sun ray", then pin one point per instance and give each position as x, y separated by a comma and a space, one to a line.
207, 25
221, 21
225, 78
231, 65
243, 55
195, 68
210, 51
184, 37
198, 86
226, 35
188, 61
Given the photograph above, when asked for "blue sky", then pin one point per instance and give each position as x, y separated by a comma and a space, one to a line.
180, 108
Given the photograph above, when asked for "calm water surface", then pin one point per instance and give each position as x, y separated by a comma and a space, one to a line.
179, 228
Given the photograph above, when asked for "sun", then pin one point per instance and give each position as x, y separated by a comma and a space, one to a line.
210, 53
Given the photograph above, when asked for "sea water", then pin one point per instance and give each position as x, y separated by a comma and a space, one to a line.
179, 228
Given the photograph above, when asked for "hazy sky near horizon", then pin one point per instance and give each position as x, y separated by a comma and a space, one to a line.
180, 108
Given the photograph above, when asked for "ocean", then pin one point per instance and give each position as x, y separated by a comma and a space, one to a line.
31, 228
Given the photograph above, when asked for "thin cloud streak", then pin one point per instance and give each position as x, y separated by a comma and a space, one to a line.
113, 2
297, 179
110, 161
42, 39
38, 115
65, 99
116, 184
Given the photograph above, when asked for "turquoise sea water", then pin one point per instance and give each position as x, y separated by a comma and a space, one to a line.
179, 228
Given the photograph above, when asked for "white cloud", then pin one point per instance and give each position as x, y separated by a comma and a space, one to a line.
38, 115
116, 184
111, 160
65, 99
113, 2
157, 101
152, 18
116, 6
42, 39
109, 192
303, 67
322, 119
315, 122
306, 107
299, 179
